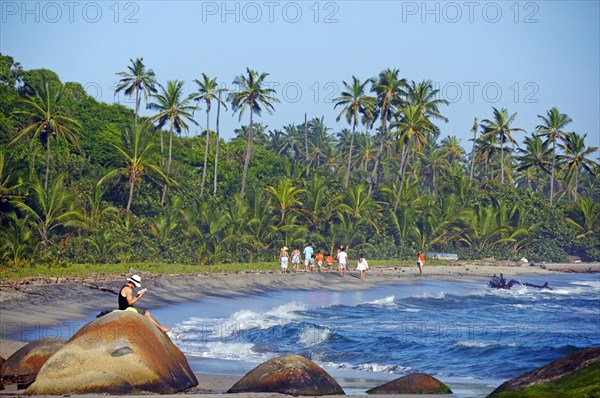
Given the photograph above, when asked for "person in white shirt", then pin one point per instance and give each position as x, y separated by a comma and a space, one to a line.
362, 266
342, 258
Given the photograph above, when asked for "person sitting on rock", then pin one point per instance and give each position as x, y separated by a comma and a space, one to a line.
127, 300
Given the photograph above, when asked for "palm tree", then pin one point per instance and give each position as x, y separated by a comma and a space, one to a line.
479, 228
173, 108
135, 80
552, 128
412, 126
292, 144
360, 207
219, 103
320, 203
353, 101
16, 241
259, 137
47, 119
365, 152
428, 100
433, 160
451, 149
320, 140
137, 153
277, 141
585, 218
486, 150
287, 198
474, 130
208, 91
390, 90
51, 209
500, 126
9, 187
536, 156
576, 158
253, 95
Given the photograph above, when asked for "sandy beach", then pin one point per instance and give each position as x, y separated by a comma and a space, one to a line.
49, 307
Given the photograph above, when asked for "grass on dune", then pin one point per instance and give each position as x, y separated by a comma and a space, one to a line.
90, 270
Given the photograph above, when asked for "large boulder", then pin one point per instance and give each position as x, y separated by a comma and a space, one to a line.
576, 375
414, 383
119, 353
288, 374
22, 367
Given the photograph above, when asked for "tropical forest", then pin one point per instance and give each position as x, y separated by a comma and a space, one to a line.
88, 182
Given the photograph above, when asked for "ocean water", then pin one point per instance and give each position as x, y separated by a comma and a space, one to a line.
465, 334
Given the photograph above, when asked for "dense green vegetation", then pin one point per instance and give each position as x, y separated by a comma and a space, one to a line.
83, 181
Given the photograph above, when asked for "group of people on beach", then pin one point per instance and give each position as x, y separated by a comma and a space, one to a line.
316, 259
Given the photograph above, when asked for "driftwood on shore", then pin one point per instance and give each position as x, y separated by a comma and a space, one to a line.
100, 288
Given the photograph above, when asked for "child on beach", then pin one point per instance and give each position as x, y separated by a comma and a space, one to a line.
319, 259
296, 259
329, 262
362, 266
283, 259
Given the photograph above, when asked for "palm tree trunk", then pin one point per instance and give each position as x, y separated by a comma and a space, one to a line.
162, 150
137, 103
217, 146
164, 194
131, 186
306, 144
48, 156
205, 151
552, 173
403, 161
347, 179
377, 160
576, 184
501, 158
473, 151
247, 159
44, 236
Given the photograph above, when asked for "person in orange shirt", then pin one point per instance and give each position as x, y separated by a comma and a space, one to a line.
420, 262
319, 260
329, 262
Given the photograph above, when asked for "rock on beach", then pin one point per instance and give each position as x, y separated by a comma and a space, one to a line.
119, 353
22, 367
288, 374
575, 375
414, 383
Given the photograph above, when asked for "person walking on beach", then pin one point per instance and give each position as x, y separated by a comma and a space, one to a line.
329, 262
296, 259
283, 259
127, 300
420, 262
308, 257
342, 258
362, 266
319, 260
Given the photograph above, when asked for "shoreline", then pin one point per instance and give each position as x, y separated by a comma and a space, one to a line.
38, 310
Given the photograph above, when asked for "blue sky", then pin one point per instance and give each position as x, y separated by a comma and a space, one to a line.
527, 56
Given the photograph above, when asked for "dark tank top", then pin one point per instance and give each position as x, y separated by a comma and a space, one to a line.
123, 304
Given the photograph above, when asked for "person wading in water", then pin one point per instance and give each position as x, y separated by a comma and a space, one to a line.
127, 300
